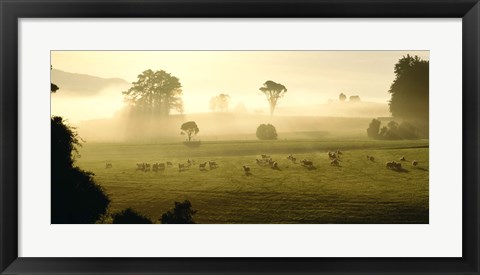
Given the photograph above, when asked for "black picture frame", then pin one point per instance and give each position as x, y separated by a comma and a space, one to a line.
11, 11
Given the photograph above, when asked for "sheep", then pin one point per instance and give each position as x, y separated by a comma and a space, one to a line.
169, 163
394, 165
155, 167
414, 163
202, 166
306, 162
335, 162
371, 158
212, 165
339, 152
141, 166
402, 158
265, 157
274, 165
246, 169
108, 165
161, 166
332, 155
181, 167
292, 158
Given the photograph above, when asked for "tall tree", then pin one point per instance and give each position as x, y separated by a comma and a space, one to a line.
410, 90
273, 91
155, 93
342, 97
220, 103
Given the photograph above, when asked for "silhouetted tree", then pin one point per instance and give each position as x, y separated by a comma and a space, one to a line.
342, 97
130, 216
182, 213
155, 93
266, 132
410, 90
190, 129
220, 103
76, 197
374, 129
274, 91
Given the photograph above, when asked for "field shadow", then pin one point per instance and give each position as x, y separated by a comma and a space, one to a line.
311, 167
422, 169
400, 170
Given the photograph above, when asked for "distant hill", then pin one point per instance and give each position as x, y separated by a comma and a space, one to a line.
73, 84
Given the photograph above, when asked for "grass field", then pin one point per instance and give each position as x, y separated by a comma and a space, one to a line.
359, 191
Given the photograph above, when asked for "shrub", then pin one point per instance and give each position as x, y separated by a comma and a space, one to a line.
76, 197
266, 132
373, 129
130, 216
182, 213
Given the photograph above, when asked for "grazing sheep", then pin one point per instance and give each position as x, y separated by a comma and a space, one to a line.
402, 158
141, 166
202, 166
265, 156
414, 163
246, 169
371, 158
161, 166
169, 163
335, 162
394, 165
155, 167
306, 162
339, 152
181, 167
108, 165
332, 155
274, 165
212, 165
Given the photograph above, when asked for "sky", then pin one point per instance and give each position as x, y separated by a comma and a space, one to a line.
311, 77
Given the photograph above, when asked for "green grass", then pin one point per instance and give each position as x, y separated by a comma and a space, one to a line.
360, 191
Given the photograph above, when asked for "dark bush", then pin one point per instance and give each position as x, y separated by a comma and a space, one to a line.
76, 198
407, 131
373, 129
182, 213
130, 216
266, 132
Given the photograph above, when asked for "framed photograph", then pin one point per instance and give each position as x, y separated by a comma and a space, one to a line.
320, 137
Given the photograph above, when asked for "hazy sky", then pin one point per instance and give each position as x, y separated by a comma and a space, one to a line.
311, 77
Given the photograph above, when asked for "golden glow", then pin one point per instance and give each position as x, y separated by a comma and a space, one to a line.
311, 77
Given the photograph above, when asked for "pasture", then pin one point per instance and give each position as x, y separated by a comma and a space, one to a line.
358, 191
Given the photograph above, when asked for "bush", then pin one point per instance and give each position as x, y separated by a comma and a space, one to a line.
266, 132
374, 129
76, 197
182, 213
130, 216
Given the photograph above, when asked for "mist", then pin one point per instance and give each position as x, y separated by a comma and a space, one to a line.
91, 86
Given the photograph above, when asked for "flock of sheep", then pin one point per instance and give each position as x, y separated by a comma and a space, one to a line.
264, 161
155, 167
